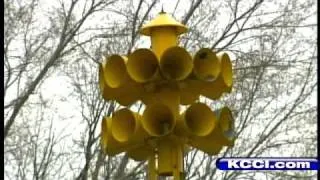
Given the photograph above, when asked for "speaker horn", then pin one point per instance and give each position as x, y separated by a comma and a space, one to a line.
121, 94
116, 74
109, 144
158, 120
107, 92
176, 63
198, 120
142, 65
206, 65
223, 83
127, 128
222, 135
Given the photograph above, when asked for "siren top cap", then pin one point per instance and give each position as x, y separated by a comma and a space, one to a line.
163, 20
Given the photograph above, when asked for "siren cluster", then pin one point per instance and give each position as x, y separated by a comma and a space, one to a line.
164, 78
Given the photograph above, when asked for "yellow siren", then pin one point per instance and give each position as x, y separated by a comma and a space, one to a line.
176, 63
127, 129
209, 86
158, 119
206, 65
115, 71
109, 144
142, 65
223, 83
197, 120
126, 94
222, 135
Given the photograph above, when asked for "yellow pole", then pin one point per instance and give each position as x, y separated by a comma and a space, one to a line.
162, 38
178, 171
152, 172
164, 32
167, 150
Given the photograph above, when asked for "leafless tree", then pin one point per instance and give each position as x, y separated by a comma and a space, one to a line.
275, 79
274, 48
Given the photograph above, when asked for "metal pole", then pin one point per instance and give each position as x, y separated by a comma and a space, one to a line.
152, 172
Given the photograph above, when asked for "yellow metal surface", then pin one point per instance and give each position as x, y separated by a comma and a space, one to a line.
178, 155
143, 65
206, 65
115, 71
166, 94
122, 94
170, 157
225, 132
222, 134
165, 157
110, 145
176, 63
187, 95
163, 20
127, 127
158, 44
164, 31
197, 120
124, 125
158, 119
152, 169
187, 98
213, 89
163, 78
226, 72
107, 92
206, 145
140, 153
